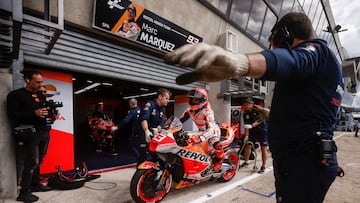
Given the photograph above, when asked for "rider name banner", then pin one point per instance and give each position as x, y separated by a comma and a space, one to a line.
131, 21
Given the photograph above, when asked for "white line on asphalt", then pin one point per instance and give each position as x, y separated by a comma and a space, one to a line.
229, 187
338, 136
355, 165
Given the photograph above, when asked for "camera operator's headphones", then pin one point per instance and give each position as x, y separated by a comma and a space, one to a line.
282, 36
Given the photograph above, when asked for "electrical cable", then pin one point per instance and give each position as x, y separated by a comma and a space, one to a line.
111, 185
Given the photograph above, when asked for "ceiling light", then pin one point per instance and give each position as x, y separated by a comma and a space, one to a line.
87, 88
107, 84
89, 81
144, 89
140, 95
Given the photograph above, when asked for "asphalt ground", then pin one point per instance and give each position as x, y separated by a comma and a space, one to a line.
247, 185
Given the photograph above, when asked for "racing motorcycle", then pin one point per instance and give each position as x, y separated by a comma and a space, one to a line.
102, 133
178, 163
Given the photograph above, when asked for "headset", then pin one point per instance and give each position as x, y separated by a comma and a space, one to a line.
282, 36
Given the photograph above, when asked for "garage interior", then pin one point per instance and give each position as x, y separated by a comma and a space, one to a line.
114, 94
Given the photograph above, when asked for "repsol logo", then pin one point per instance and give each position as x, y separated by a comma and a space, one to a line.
193, 155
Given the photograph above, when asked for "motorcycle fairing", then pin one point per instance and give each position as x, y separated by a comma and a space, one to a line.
195, 158
162, 142
148, 165
194, 162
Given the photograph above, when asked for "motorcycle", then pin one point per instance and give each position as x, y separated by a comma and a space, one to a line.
178, 162
102, 134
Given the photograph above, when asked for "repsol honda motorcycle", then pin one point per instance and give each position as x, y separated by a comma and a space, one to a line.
178, 163
102, 134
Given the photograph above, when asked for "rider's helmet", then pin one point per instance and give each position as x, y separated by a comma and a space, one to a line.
131, 9
198, 98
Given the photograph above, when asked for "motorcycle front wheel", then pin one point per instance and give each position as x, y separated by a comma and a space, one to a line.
150, 185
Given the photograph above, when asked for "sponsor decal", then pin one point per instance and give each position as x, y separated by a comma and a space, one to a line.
193, 155
335, 101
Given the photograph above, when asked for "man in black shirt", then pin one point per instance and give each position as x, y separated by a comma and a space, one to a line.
26, 111
254, 117
36, 185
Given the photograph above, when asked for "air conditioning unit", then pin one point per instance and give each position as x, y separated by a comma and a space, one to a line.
229, 41
235, 115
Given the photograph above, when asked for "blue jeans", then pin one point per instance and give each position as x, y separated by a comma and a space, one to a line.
301, 178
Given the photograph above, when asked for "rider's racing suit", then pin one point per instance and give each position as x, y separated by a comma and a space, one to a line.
205, 121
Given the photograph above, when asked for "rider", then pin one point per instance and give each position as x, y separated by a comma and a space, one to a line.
130, 29
94, 119
200, 111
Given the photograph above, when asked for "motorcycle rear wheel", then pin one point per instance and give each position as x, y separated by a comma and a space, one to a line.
145, 186
233, 160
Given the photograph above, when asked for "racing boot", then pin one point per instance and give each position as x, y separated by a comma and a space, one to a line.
219, 156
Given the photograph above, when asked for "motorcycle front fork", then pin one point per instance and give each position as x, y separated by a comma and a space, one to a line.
164, 175
161, 177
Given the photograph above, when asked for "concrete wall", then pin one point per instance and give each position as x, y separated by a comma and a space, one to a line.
8, 187
220, 106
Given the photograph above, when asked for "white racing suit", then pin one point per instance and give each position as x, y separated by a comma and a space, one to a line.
205, 121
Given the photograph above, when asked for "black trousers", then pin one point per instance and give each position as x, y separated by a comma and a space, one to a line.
43, 146
27, 158
302, 179
139, 147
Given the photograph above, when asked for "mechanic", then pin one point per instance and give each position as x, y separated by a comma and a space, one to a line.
307, 95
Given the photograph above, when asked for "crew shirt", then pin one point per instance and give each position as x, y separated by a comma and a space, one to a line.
133, 117
154, 114
308, 91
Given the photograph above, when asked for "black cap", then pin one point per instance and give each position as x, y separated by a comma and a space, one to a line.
248, 101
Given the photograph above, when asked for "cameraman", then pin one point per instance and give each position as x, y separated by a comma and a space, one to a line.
25, 110
36, 186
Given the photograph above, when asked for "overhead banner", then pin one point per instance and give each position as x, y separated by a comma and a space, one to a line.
129, 20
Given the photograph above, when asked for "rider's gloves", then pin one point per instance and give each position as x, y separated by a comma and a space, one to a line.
148, 135
248, 126
197, 139
211, 63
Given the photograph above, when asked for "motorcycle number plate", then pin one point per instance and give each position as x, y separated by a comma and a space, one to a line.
159, 137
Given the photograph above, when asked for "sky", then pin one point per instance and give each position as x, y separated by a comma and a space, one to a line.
347, 14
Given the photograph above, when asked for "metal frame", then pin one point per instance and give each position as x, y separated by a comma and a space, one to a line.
15, 32
48, 35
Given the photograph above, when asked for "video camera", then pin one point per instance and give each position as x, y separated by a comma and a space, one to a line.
52, 106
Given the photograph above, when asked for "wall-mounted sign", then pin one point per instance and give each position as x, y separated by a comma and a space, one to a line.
130, 20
